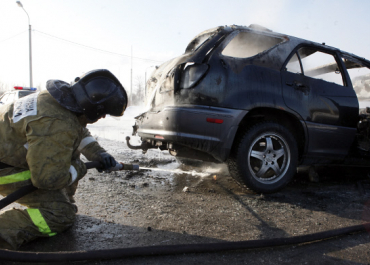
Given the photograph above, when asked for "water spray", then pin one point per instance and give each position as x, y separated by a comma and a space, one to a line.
179, 171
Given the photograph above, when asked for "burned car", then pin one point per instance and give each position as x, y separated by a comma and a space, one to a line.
262, 102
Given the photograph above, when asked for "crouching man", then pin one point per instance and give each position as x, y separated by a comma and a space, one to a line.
41, 138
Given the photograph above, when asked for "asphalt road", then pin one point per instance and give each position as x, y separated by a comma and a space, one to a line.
150, 208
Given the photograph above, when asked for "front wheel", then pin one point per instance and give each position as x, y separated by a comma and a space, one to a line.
265, 157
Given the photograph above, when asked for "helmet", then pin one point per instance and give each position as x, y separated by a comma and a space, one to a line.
94, 94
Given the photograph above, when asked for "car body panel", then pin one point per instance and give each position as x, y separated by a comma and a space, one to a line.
328, 141
202, 135
237, 90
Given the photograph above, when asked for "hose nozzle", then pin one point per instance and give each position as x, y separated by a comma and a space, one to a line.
117, 167
120, 166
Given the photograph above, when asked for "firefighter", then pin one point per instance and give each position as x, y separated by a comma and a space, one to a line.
41, 138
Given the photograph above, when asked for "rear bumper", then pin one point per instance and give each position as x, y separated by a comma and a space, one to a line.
207, 129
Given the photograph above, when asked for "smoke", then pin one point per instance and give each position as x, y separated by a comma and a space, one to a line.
248, 44
360, 78
266, 12
361, 86
320, 65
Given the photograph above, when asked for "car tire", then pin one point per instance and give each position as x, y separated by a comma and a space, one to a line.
264, 157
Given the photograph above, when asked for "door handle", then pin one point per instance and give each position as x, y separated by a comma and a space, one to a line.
296, 84
299, 85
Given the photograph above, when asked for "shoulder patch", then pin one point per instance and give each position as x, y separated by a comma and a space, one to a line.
24, 107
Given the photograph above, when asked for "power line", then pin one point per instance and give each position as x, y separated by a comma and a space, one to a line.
13, 36
89, 47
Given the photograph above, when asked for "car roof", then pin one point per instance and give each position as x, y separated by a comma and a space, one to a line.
291, 39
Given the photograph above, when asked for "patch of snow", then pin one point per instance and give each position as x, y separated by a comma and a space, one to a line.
117, 128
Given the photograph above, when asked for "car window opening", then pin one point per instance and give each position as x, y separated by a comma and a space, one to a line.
248, 44
294, 65
316, 64
360, 78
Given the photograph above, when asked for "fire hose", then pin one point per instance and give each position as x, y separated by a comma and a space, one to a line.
30, 188
22, 256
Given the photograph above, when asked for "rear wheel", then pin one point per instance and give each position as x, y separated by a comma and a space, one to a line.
265, 157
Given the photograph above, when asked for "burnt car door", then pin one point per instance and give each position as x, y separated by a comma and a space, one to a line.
314, 86
245, 74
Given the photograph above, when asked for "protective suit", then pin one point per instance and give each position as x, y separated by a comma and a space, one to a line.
40, 143
44, 150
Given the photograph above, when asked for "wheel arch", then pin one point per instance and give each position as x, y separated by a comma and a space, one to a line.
291, 122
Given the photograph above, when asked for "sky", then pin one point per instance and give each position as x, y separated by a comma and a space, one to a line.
71, 37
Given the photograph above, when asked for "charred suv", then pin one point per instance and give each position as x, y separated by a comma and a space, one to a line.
261, 101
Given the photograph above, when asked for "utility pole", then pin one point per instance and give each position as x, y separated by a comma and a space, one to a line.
30, 48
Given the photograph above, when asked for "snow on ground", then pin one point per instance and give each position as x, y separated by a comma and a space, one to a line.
111, 133
117, 128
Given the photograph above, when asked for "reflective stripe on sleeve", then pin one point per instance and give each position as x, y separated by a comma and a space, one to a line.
40, 222
85, 141
21, 176
74, 174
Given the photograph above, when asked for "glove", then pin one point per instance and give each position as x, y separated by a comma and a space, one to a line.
107, 161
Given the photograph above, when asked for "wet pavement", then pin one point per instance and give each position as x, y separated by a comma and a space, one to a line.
201, 203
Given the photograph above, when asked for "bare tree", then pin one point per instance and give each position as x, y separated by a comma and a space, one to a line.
138, 93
